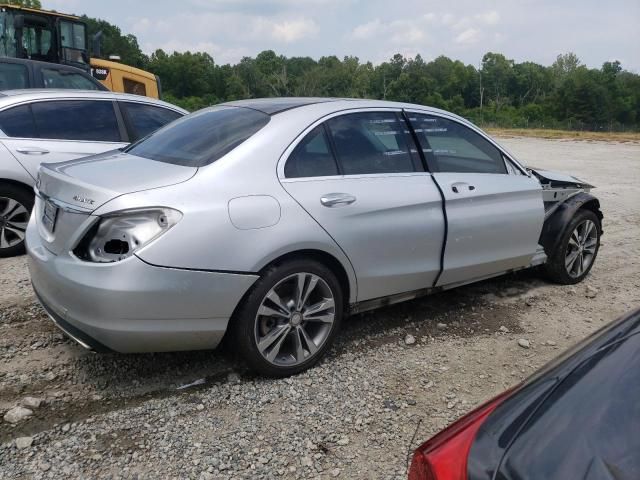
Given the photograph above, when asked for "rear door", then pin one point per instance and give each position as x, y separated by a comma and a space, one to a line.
494, 211
60, 130
359, 176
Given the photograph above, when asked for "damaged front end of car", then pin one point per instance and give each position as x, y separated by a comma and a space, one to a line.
563, 195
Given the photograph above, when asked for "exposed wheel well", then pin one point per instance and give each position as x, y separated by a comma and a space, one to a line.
323, 257
594, 206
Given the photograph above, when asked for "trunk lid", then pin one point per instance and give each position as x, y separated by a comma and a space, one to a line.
88, 183
70, 191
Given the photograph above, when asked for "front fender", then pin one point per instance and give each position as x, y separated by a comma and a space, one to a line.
555, 224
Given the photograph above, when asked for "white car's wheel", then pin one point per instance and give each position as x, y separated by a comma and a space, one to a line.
15, 207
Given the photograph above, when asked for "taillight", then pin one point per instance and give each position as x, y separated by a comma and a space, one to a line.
444, 456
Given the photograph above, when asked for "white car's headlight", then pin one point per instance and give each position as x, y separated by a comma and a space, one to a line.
118, 235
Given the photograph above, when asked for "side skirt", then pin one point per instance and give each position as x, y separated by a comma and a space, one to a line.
375, 303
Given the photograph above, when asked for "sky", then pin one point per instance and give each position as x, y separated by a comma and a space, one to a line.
374, 30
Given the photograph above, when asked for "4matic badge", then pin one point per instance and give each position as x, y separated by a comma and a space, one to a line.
81, 199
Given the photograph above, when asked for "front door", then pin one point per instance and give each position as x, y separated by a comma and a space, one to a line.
373, 198
494, 213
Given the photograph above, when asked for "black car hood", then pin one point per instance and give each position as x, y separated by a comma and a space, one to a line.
554, 426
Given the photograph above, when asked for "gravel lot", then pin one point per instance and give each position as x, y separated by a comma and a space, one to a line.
355, 415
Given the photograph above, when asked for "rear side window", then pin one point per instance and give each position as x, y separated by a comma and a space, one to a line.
77, 120
53, 78
373, 142
18, 122
451, 147
202, 137
312, 157
145, 119
13, 76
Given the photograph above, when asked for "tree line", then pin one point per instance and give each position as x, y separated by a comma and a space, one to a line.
499, 91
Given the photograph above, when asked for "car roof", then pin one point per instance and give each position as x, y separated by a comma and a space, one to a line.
272, 106
38, 63
10, 97
278, 105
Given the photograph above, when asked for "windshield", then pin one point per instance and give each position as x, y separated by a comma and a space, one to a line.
202, 137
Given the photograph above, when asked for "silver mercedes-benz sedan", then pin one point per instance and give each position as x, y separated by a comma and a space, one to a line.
270, 220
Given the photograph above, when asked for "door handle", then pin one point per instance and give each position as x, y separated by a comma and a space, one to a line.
337, 199
32, 151
460, 187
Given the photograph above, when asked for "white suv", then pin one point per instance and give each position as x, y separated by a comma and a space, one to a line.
38, 126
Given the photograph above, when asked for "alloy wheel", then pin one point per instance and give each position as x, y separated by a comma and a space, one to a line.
581, 249
294, 319
13, 222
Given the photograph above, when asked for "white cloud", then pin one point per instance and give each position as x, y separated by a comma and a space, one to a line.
289, 31
468, 36
489, 18
367, 30
397, 32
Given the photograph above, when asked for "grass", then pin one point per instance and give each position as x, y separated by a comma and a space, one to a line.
565, 134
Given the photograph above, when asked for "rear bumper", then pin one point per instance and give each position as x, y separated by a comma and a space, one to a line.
131, 306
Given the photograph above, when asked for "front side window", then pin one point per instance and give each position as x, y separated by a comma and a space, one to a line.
372, 142
452, 147
312, 157
77, 120
202, 137
13, 76
18, 122
53, 78
145, 119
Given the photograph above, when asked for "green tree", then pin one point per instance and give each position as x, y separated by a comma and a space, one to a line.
26, 3
115, 43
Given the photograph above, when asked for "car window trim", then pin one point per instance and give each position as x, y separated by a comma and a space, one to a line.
122, 123
430, 158
286, 154
477, 130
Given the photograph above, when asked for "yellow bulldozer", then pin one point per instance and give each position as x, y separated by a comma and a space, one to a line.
58, 38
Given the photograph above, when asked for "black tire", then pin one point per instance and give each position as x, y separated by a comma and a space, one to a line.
245, 321
556, 269
10, 192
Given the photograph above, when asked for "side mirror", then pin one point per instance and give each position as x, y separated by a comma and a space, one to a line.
97, 44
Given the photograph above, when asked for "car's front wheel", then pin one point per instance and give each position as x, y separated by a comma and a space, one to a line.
289, 319
577, 249
15, 207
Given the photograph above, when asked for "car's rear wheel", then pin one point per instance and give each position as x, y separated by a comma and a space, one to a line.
289, 319
15, 207
577, 250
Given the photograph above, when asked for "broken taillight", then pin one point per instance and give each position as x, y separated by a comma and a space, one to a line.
444, 456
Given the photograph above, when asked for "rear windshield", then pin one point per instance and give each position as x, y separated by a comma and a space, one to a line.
202, 137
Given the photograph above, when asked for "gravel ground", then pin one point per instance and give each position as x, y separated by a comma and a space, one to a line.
357, 415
